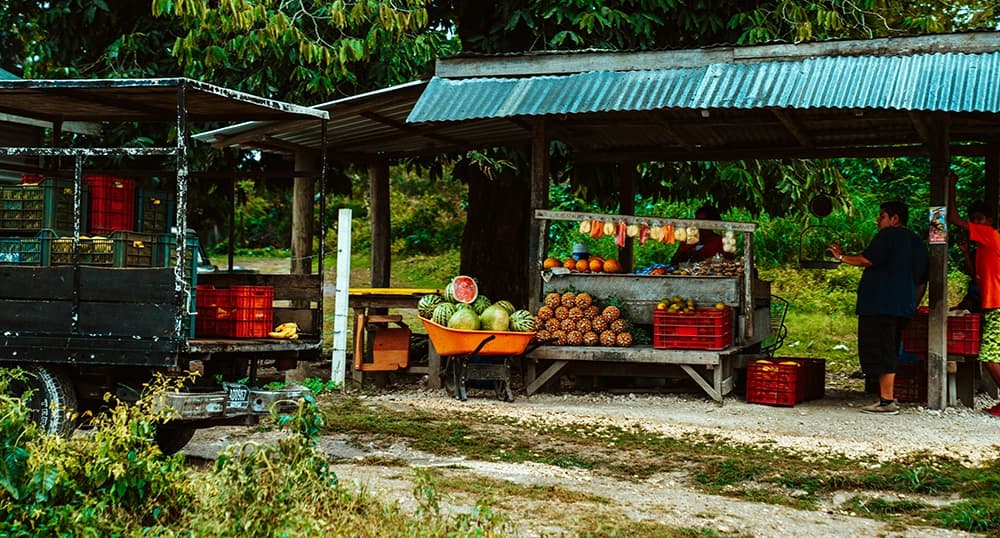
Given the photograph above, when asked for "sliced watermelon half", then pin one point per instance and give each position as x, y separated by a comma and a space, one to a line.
464, 289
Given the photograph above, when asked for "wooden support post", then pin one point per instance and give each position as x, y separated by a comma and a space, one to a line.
378, 178
991, 180
937, 352
537, 228
626, 171
303, 204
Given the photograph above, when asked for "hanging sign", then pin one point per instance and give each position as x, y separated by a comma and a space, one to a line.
938, 230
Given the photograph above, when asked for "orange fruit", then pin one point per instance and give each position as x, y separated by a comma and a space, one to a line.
583, 266
550, 263
569, 263
612, 266
596, 265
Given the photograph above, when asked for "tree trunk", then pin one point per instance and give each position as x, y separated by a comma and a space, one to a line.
495, 241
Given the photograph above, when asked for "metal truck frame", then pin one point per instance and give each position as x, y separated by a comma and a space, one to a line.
81, 331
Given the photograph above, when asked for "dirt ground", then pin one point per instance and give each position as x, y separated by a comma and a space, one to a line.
829, 425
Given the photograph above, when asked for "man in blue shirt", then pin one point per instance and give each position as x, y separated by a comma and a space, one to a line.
892, 284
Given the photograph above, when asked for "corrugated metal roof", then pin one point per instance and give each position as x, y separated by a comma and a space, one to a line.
929, 82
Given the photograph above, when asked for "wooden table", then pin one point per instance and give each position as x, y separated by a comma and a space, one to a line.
366, 300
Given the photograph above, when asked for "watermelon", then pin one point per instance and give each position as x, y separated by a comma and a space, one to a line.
426, 305
481, 303
465, 319
461, 289
506, 305
495, 318
442, 313
522, 321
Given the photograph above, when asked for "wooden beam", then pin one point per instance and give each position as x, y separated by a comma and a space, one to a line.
270, 143
408, 128
991, 179
937, 356
777, 152
794, 127
626, 203
675, 134
303, 196
579, 62
537, 229
378, 178
920, 126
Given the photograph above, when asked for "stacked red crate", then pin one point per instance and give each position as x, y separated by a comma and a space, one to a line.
963, 334
704, 328
234, 312
785, 381
112, 204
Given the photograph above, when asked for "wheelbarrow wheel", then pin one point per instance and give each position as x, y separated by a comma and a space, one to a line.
504, 393
455, 379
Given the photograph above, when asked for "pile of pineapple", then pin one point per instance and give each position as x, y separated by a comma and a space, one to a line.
572, 319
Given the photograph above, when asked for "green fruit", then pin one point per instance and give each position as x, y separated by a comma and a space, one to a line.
506, 305
426, 305
465, 319
442, 313
495, 318
522, 321
481, 303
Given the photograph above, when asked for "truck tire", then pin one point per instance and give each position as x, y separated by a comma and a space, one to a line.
171, 438
52, 401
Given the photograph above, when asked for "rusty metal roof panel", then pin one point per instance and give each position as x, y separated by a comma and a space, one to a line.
929, 82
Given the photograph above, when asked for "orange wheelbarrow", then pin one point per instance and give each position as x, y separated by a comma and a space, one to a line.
477, 356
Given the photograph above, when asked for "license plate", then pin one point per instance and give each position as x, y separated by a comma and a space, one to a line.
239, 396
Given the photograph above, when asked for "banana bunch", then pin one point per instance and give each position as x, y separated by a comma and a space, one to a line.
286, 331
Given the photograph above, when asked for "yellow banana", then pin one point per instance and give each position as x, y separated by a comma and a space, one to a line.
287, 331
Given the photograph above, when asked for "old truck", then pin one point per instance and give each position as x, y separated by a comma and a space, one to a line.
98, 295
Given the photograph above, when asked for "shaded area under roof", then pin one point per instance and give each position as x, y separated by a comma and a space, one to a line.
775, 101
146, 100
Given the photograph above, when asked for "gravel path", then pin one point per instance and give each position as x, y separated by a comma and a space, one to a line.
830, 425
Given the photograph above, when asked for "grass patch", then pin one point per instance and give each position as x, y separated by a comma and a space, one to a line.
750, 472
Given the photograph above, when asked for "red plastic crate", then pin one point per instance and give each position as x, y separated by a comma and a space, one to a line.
963, 334
705, 328
234, 312
31, 179
785, 381
112, 204
910, 384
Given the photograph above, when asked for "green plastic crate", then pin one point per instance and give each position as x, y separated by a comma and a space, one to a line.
33, 208
21, 251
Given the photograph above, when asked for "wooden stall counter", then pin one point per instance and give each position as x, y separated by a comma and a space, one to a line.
371, 317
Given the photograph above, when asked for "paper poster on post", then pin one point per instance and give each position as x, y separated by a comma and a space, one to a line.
938, 231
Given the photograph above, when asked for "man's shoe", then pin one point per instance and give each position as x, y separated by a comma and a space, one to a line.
879, 409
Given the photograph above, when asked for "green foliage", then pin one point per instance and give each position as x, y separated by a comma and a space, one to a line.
428, 215
95, 484
319, 386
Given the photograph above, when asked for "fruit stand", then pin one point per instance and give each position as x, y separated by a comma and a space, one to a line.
743, 303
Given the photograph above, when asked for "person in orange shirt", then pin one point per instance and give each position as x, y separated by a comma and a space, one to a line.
987, 241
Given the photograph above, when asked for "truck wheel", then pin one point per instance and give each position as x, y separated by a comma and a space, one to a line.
171, 438
52, 401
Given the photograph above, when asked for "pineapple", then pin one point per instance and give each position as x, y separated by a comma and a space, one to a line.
552, 300
599, 324
591, 312
545, 313
590, 338
583, 325
567, 324
608, 338
561, 312
576, 312
541, 336
623, 340
574, 338
552, 325
583, 300
568, 299
559, 338
619, 326
611, 313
